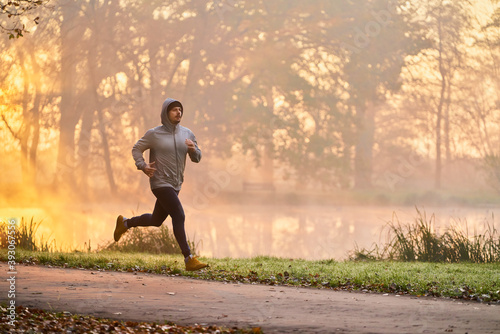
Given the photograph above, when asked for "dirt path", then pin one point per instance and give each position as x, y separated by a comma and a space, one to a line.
150, 297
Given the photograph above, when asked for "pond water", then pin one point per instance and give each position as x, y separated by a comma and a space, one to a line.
313, 232
309, 232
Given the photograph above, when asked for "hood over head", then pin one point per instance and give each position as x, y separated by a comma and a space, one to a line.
165, 108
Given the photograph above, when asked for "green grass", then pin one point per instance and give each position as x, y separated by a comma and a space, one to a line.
456, 280
415, 261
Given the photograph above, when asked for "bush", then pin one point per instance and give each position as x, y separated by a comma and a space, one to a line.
25, 237
418, 241
148, 240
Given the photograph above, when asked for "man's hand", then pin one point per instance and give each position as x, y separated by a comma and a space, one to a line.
190, 145
150, 169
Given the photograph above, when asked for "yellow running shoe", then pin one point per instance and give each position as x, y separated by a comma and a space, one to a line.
192, 264
120, 228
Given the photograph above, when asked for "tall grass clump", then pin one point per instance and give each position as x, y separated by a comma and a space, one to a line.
419, 241
479, 248
149, 240
25, 235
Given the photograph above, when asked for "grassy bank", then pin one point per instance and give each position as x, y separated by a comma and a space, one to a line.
418, 240
415, 260
467, 281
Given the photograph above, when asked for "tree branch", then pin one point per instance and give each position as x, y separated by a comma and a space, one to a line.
15, 135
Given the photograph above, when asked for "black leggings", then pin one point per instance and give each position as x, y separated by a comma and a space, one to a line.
167, 203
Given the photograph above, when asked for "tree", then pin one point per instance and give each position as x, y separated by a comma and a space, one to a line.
433, 73
274, 109
479, 95
305, 84
72, 31
449, 20
13, 12
377, 39
30, 91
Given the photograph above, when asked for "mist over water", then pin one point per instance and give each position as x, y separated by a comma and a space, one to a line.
307, 232
312, 232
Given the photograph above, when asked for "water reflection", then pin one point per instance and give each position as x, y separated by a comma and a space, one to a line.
310, 232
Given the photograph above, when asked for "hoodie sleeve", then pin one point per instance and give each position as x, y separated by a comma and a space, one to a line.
142, 145
196, 155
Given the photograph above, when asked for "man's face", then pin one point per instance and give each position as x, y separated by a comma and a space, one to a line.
175, 115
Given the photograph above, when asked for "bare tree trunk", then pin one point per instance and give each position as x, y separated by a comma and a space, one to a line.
70, 32
447, 124
35, 122
363, 160
107, 154
195, 64
268, 156
92, 62
24, 132
84, 144
439, 116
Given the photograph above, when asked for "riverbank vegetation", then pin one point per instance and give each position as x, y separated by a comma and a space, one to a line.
420, 241
467, 281
416, 260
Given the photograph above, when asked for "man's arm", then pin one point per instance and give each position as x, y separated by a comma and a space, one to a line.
193, 149
137, 151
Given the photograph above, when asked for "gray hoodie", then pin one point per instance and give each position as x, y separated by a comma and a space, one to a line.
168, 148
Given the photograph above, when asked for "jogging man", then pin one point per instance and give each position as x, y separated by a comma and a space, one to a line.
169, 145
